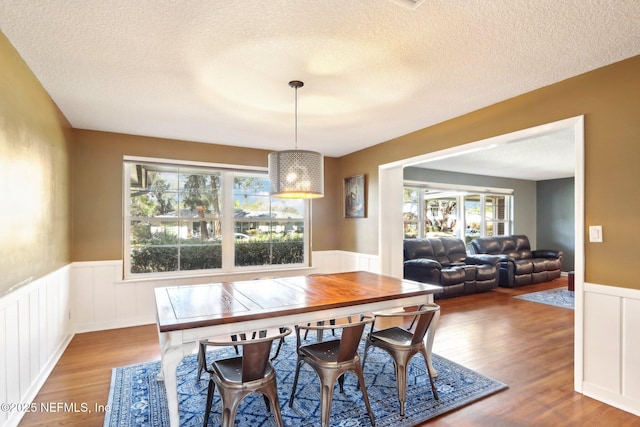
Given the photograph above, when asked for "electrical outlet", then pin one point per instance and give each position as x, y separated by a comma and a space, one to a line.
595, 233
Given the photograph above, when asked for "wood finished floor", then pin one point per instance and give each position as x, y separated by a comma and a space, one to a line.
527, 345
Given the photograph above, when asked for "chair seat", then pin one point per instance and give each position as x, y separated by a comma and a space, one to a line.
326, 351
394, 336
230, 370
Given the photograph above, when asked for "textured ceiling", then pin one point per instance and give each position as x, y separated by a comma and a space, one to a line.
549, 156
373, 70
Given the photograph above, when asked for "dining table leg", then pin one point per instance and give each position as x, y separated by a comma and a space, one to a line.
171, 354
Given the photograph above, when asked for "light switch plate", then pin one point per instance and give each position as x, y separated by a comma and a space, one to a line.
595, 233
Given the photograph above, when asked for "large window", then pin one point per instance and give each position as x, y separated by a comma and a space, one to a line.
182, 219
464, 213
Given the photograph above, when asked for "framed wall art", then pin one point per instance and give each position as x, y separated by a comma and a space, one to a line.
355, 201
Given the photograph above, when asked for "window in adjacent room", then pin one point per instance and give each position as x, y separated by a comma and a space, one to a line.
462, 212
183, 219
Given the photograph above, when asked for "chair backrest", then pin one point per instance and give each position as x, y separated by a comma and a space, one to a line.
256, 352
424, 317
255, 358
351, 335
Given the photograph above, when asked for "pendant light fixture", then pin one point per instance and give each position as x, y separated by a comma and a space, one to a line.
296, 174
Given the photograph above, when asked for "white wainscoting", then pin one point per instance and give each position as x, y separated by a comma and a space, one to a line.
38, 320
101, 300
34, 332
612, 346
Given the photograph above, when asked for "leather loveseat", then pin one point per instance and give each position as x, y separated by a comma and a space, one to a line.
444, 261
519, 265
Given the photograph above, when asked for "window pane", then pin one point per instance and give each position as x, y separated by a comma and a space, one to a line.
473, 219
200, 257
279, 250
269, 242
410, 230
410, 212
441, 217
154, 246
287, 208
200, 195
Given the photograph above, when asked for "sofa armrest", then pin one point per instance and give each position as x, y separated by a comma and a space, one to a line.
423, 263
480, 259
546, 253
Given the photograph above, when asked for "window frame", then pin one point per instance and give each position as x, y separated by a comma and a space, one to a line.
227, 173
461, 192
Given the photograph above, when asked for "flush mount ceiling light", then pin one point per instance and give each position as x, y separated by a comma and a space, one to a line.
296, 174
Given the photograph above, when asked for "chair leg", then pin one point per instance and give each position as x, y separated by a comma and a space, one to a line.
202, 359
271, 394
401, 379
230, 402
433, 385
210, 391
326, 397
278, 349
295, 382
365, 395
235, 339
364, 357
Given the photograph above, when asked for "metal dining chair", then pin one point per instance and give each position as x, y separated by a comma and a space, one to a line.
203, 344
330, 360
402, 344
238, 376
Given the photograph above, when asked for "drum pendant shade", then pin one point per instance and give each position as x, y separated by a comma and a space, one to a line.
296, 174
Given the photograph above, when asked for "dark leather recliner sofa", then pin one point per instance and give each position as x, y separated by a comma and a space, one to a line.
519, 265
444, 261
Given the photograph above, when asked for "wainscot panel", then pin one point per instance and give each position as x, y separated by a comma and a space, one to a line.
611, 347
34, 332
101, 300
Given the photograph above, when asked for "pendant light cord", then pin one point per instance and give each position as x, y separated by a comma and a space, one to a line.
296, 120
296, 84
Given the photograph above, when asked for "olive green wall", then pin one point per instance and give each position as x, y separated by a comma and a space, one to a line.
34, 176
609, 98
97, 187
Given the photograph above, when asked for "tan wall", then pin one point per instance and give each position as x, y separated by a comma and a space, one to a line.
34, 173
97, 187
35, 141
609, 98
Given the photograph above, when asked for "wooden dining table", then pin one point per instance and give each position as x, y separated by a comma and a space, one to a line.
187, 314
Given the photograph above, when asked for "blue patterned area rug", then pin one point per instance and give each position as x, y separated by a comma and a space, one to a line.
136, 398
560, 297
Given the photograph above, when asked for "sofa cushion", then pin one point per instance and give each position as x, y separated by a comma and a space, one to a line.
485, 272
522, 247
439, 252
523, 266
487, 245
541, 264
417, 248
452, 276
455, 249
